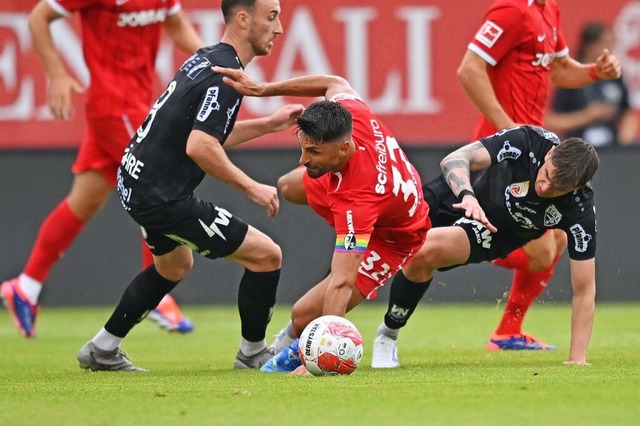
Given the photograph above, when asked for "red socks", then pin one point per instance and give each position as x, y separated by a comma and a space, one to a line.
526, 286
57, 232
517, 259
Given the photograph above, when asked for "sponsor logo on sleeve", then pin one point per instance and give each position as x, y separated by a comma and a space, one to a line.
580, 238
210, 103
489, 33
194, 70
508, 152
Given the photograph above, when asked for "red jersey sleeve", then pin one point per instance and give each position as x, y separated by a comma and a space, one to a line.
500, 32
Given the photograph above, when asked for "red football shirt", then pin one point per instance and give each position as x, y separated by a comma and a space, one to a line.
377, 195
519, 39
120, 41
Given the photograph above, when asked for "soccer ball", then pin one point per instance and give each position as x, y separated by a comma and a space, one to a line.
330, 345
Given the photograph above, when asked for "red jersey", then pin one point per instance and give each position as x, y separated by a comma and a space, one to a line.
378, 193
519, 39
120, 41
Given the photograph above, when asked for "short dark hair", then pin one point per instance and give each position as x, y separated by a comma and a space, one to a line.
325, 122
230, 7
575, 162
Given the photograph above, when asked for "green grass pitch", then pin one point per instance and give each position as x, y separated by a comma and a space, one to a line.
446, 377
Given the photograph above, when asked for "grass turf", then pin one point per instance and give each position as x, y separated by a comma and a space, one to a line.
446, 377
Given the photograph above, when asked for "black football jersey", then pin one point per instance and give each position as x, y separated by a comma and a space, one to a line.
506, 192
155, 168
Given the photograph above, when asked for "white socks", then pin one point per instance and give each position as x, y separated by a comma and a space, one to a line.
106, 341
30, 288
251, 348
389, 332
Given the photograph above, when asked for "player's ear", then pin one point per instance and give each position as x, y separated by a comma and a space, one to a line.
548, 154
344, 147
243, 19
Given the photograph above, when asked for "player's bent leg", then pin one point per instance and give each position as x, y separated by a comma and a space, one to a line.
444, 246
543, 251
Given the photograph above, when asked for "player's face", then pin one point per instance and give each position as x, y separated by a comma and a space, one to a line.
545, 188
265, 26
320, 158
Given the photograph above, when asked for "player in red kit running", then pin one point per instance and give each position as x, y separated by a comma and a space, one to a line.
505, 72
120, 43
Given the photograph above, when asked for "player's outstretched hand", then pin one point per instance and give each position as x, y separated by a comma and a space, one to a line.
60, 102
240, 81
285, 117
473, 211
608, 66
265, 196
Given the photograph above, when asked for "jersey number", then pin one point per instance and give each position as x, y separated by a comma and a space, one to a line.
408, 187
146, 125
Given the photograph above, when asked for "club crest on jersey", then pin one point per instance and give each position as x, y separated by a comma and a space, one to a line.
194, 68
210, 103
350, 241
552, 216
489, 33
520, 189
580, 237
508, 152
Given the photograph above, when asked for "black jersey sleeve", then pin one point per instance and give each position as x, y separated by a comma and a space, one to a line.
522, 143
218, 108
579, 222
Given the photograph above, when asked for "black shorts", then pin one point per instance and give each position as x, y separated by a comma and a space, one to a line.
203, 227
485, 246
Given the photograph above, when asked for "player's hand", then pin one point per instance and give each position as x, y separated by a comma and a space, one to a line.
265, 196
285, 117
239, 81
577, 362
608, 66
301, 371
60, 101
473, 211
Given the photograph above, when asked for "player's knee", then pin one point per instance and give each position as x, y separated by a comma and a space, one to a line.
269, 257
542, 260
175, 271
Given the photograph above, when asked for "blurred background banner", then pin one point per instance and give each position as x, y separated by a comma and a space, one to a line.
400, 55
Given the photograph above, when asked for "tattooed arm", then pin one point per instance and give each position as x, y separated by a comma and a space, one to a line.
456, 169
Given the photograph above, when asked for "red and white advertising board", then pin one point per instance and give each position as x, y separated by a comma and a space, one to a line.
400, 55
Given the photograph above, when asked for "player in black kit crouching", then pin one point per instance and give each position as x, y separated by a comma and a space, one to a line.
495, 195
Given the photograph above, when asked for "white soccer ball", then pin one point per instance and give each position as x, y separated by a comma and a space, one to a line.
330, 345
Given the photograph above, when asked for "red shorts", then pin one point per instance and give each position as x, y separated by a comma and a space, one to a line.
104, 144
382, 260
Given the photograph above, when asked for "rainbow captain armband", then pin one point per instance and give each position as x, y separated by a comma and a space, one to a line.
352, 243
